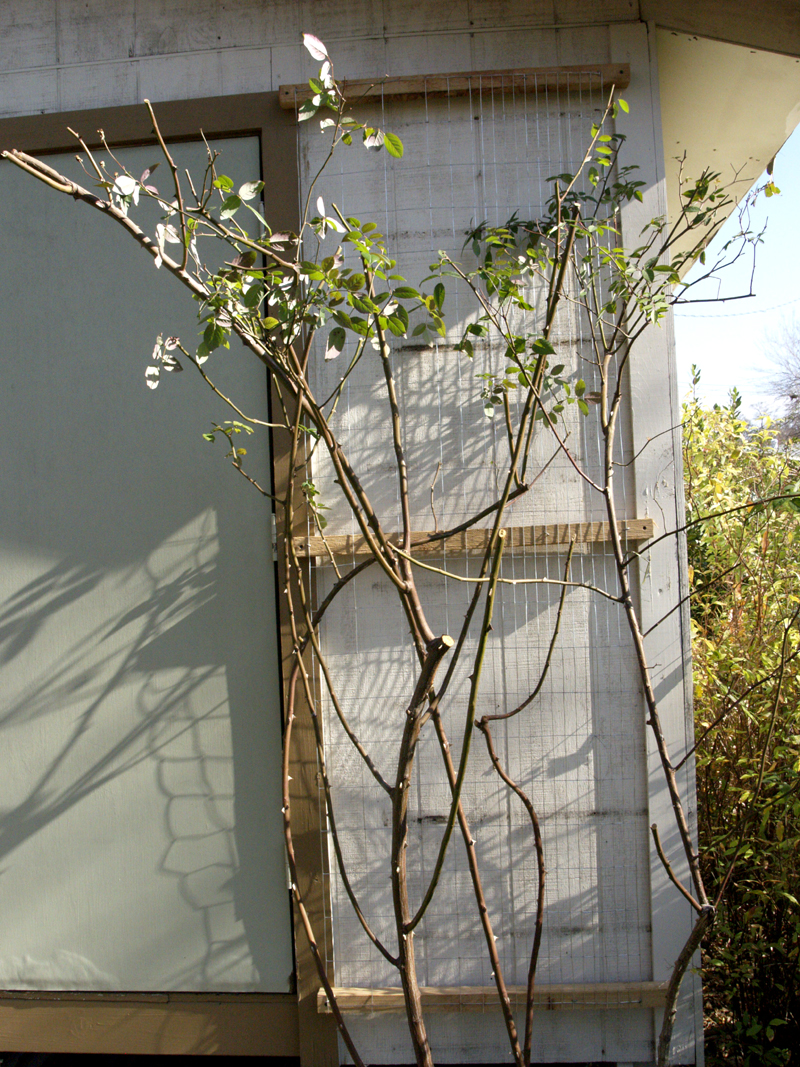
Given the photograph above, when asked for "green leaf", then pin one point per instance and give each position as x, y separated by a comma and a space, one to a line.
336, 342
394, 146
230, 207
372, 138
245, 260
362, 304
406, 292
214, 336
397, 326
343, 319
439, 295
250, 190
252, 298
623, 104
307, 110
543, 347
360, 326
270, 323
223, 183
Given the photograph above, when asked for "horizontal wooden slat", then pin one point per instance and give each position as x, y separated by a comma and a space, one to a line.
567, 997
150, 1024
520, 80
473, 542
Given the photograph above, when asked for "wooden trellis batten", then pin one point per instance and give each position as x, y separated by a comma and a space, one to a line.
563, 997
534, 80
553, 536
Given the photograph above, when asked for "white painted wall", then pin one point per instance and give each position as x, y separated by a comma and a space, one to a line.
581, 749
58, 55
584, 753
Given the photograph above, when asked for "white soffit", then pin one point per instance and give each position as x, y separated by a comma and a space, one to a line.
725, 106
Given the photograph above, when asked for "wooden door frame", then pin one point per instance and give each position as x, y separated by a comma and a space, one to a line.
265, 1024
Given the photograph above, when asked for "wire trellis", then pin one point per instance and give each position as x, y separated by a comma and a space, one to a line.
579, 750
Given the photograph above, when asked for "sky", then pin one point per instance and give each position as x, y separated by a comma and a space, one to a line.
729, 341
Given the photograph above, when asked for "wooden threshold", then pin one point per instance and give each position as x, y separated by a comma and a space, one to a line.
567, 997
150, 1024
473, 542
533, 80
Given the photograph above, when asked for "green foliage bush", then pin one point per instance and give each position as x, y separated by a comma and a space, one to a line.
745, 576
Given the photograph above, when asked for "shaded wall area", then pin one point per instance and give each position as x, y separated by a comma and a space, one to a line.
140, 831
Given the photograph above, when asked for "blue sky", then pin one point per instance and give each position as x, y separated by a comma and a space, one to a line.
729, 341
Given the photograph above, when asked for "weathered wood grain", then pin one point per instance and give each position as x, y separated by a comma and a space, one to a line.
474, 542
571, 996
160, 1024
520, 80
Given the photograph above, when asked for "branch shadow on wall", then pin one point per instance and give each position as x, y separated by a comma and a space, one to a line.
126, 716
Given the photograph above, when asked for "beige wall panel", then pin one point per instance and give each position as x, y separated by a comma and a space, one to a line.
589, 11
412, 16
179, 26
714, 108
737, 21
99, 85
26, 92
28, 33
663, 583
92, 31
430, 53
245, 70
179, 77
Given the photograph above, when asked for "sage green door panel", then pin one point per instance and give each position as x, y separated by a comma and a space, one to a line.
140, 830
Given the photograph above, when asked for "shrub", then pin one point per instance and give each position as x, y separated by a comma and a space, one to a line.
744, 570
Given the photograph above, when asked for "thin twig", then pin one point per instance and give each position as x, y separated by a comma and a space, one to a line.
433, 509
485, 729
670, 873
469, 722
549, 657
176, 181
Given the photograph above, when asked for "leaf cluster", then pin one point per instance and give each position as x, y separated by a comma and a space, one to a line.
745, 574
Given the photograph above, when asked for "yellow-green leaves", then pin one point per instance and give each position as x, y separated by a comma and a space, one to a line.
393, 145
